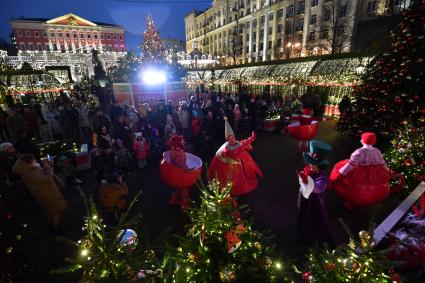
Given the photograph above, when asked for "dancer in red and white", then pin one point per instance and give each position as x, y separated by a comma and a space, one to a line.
232, 162
180, 170
364, 178
304, 130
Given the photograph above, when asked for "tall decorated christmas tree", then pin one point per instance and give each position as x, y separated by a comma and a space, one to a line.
153, 51
394, 82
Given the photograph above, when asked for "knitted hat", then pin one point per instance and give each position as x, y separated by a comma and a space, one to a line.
317, 153
369, 138
228, 131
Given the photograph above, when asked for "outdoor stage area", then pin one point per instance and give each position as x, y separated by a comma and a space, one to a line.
272, 204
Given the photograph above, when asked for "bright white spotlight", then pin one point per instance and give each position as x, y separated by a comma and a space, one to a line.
153, 77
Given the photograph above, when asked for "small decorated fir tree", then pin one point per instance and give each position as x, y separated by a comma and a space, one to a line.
356, 261
112, 254
407, 156
220, 246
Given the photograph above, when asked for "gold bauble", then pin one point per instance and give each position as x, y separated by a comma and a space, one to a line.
364, 235
265, 262
257, 245
228, 274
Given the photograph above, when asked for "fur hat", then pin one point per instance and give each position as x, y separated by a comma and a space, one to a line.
368, 138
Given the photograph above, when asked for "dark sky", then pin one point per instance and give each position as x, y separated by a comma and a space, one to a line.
168, 18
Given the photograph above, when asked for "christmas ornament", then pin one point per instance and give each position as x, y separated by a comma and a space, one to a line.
179, 249
408, 162
228, 274
257, 245
330, 266
265, 262
364, 235
240, 229
307, 277
9, 250
233, 241
352, 244
348, 264
128, 239
193, 257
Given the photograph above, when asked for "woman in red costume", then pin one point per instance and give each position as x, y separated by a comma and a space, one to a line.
304, 130
180, 170
232, 162
363, 179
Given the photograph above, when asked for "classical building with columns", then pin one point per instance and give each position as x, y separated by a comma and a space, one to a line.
260, 30
65, 40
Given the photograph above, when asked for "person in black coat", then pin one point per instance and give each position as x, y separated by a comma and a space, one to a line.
123, 132
116, 112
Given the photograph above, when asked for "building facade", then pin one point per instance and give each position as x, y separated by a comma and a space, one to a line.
65, 41
67, 34
242, 31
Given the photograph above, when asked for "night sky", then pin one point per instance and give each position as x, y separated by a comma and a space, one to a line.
168, 18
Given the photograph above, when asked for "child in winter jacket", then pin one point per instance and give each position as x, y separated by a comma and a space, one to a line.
140, 147
122, 157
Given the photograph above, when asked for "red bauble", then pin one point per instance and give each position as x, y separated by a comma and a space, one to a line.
307, 277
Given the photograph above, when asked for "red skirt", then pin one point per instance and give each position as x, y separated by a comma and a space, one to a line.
364, 185
243, 175
303, 132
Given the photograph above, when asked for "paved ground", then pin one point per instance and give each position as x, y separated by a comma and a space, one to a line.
273, 204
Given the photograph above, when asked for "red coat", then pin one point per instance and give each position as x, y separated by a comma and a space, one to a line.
235, 164
141, 148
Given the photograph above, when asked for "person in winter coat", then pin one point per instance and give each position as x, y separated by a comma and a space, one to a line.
112, 193
98, 164
83, 115
25, 145
123, 132
51, 116
15, 124
140, 147
101, 120
41, 185
122, 157
184, 117
169, 128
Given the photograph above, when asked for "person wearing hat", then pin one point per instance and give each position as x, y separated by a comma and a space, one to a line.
366, 166
113, 192
312, 217
178, 158
232, 162
304, 120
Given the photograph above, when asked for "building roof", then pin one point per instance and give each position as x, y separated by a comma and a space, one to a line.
43, 20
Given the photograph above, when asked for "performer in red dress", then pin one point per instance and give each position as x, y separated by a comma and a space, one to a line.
304, 130
364, 178
178, 158
233, 163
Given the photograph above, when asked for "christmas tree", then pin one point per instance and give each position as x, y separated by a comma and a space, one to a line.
220, 246
356, 261
112, 254
407, 157
394, 82
153, 51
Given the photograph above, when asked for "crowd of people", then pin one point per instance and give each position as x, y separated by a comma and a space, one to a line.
121, 139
